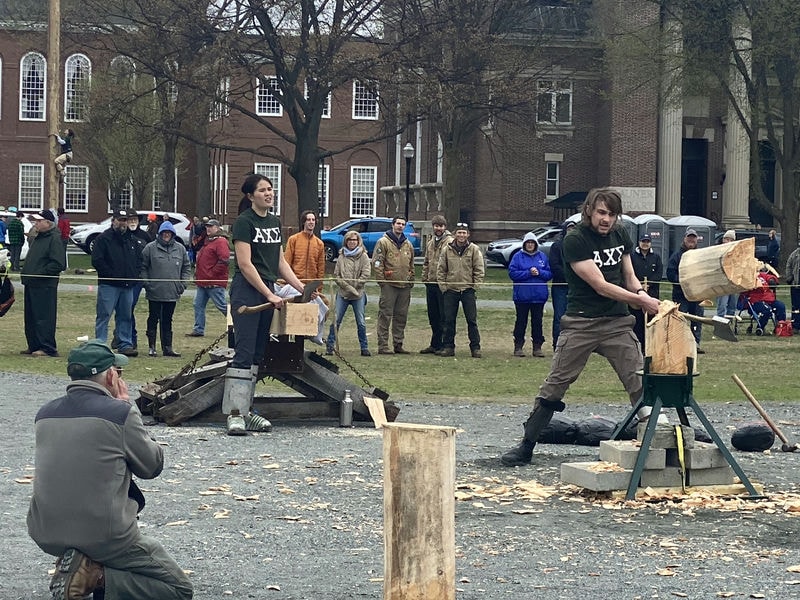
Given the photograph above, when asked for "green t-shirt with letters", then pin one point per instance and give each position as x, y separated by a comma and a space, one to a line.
584, 243
264, 236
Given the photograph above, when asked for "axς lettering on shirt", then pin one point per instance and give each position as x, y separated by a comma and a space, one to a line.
267, 235
608, 257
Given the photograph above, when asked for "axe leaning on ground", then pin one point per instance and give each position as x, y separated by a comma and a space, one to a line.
785, 445
303, 298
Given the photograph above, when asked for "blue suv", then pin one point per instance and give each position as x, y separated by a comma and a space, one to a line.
371, 230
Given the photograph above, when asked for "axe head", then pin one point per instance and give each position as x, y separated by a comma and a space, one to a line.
722, 329
310, 288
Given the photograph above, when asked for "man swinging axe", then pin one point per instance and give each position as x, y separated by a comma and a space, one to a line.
602, 283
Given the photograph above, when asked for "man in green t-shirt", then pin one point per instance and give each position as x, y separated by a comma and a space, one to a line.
602, 283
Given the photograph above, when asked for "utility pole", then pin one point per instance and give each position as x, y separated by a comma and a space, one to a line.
53, 95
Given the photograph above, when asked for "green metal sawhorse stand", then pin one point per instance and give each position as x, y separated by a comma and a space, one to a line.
672, 391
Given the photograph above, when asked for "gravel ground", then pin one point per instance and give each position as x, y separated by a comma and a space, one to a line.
297, 513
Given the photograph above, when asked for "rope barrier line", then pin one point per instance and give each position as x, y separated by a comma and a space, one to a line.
332, 281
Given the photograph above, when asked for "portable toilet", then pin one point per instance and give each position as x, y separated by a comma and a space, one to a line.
705, 229
656, 227
627, 223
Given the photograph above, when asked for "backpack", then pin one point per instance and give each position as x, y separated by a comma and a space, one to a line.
6, 296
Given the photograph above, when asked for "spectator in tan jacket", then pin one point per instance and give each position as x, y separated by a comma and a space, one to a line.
393, 264
351, 273
461, 269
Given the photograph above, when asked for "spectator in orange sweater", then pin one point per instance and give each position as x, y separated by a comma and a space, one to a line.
305, 252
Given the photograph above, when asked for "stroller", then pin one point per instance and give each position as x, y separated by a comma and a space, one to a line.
748, 314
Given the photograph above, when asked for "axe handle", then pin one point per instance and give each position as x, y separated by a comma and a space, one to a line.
704, 320
246, 310
760, 409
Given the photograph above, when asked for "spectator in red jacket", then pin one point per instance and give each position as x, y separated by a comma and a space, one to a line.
764, 301
211, 276
64, 227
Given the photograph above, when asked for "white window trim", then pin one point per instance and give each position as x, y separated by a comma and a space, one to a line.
553, 93
374, 170
557, 179
85, 93
44, 91
277, 181
219, 105
128, 189
374, 117
269, 82
326, 112
326, 179
73, 168
41, 186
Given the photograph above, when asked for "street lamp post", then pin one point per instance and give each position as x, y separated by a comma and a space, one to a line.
408, 154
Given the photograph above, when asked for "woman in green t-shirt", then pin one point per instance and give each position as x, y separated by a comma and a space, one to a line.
257, 245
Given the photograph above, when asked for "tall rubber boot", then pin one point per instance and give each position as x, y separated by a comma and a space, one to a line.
237, 398
539, 418
151, 343
166, 345
254, 421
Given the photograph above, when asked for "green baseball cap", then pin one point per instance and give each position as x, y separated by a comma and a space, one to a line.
91, 358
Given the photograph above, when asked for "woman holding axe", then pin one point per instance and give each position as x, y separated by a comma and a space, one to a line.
259, 262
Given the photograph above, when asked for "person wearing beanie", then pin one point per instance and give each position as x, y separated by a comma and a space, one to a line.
530, 271
40, 274
165, 270
726, 305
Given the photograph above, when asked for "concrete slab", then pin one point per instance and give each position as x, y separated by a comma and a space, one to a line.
664, 436
625, 453
596, 475
704, 455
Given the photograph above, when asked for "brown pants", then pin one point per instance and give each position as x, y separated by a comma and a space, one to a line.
392, 308
611, 337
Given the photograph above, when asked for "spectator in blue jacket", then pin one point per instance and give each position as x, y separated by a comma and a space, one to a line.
530, 271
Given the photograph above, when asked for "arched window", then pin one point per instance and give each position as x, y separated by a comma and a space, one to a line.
77, 78
32, 87
123, 71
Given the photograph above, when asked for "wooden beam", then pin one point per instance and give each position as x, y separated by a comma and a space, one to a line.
419, 512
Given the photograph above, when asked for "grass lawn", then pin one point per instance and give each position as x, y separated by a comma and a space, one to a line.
765, 364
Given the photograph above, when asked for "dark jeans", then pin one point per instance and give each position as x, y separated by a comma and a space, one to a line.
14, 250
558, 294
435, 301
451, 302
252, 331
160, 312
40, 309
535, 311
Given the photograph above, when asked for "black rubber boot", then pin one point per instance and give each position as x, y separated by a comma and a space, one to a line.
151, 344
539, 418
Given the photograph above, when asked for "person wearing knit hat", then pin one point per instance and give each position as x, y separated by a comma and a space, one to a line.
166, 271
40, 274
726, 305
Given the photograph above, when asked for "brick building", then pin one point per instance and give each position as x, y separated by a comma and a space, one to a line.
591, 128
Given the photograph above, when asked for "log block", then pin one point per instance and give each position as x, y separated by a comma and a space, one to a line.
193, 403
296, 319
668, 341
730, 268
419, 512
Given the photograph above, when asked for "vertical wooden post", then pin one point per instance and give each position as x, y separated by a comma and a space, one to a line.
53, 96
419, 512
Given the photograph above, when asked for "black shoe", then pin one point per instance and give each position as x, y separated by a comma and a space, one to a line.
519, 456
701, 351
400, 350
446, 352
382, 351
476, 354
152, 351
129, 351
195, 334
168, 351
366, 352
428, 350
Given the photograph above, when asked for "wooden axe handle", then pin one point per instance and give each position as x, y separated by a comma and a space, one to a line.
246, 310
760, 409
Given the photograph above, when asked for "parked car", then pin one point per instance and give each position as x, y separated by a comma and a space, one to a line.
761, 236
26, 224
502, 251
371, 230
83, 236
